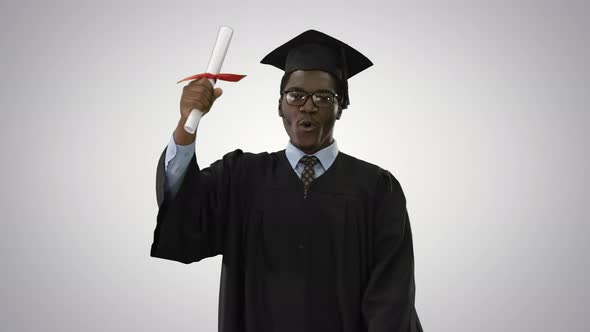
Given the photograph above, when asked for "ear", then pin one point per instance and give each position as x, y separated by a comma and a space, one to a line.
338, 113
280, 110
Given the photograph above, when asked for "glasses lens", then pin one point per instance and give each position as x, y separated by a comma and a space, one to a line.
323, 99
296, 98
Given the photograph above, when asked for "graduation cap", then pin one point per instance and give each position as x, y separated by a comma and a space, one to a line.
314, 50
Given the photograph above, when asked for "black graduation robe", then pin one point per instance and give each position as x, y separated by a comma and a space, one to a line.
340, 260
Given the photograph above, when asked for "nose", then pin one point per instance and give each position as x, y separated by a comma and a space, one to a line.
308, 106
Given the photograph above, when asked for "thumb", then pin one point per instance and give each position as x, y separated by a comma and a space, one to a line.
217, 92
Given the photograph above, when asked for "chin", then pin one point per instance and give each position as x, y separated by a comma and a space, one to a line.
306, 142
303, 145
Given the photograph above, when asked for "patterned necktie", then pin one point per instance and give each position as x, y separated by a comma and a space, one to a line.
308, 173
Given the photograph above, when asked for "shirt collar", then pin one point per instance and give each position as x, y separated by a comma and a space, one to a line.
326, 155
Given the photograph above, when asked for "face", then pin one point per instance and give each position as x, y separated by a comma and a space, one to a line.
310, 128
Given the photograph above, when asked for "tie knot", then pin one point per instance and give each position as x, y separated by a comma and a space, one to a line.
309, 161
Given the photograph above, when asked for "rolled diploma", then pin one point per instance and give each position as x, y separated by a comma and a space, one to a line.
215, 62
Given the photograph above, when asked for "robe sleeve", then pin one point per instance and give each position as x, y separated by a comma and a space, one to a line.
388, 300
191, 224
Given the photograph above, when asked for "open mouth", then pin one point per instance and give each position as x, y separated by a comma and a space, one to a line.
307, 124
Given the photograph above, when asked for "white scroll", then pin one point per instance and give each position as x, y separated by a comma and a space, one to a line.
214, 67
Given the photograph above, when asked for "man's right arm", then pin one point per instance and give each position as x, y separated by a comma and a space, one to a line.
198, 94
187, 227
178, 157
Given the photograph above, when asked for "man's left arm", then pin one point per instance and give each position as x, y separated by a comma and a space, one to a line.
388, 301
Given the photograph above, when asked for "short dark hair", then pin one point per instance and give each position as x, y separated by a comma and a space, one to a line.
340, 88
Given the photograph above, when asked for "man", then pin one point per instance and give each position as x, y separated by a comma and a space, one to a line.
312, 239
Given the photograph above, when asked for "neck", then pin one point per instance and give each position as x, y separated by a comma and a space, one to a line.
316, 149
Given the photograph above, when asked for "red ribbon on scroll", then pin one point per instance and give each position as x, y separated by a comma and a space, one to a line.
222, 76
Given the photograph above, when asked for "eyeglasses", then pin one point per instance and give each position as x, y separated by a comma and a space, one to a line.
319, 98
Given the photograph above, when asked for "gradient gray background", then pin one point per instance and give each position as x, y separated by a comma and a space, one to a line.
479, 110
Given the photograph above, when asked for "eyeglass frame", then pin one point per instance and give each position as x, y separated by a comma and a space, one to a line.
312, 94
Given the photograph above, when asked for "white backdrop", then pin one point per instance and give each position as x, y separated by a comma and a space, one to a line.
479, 110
